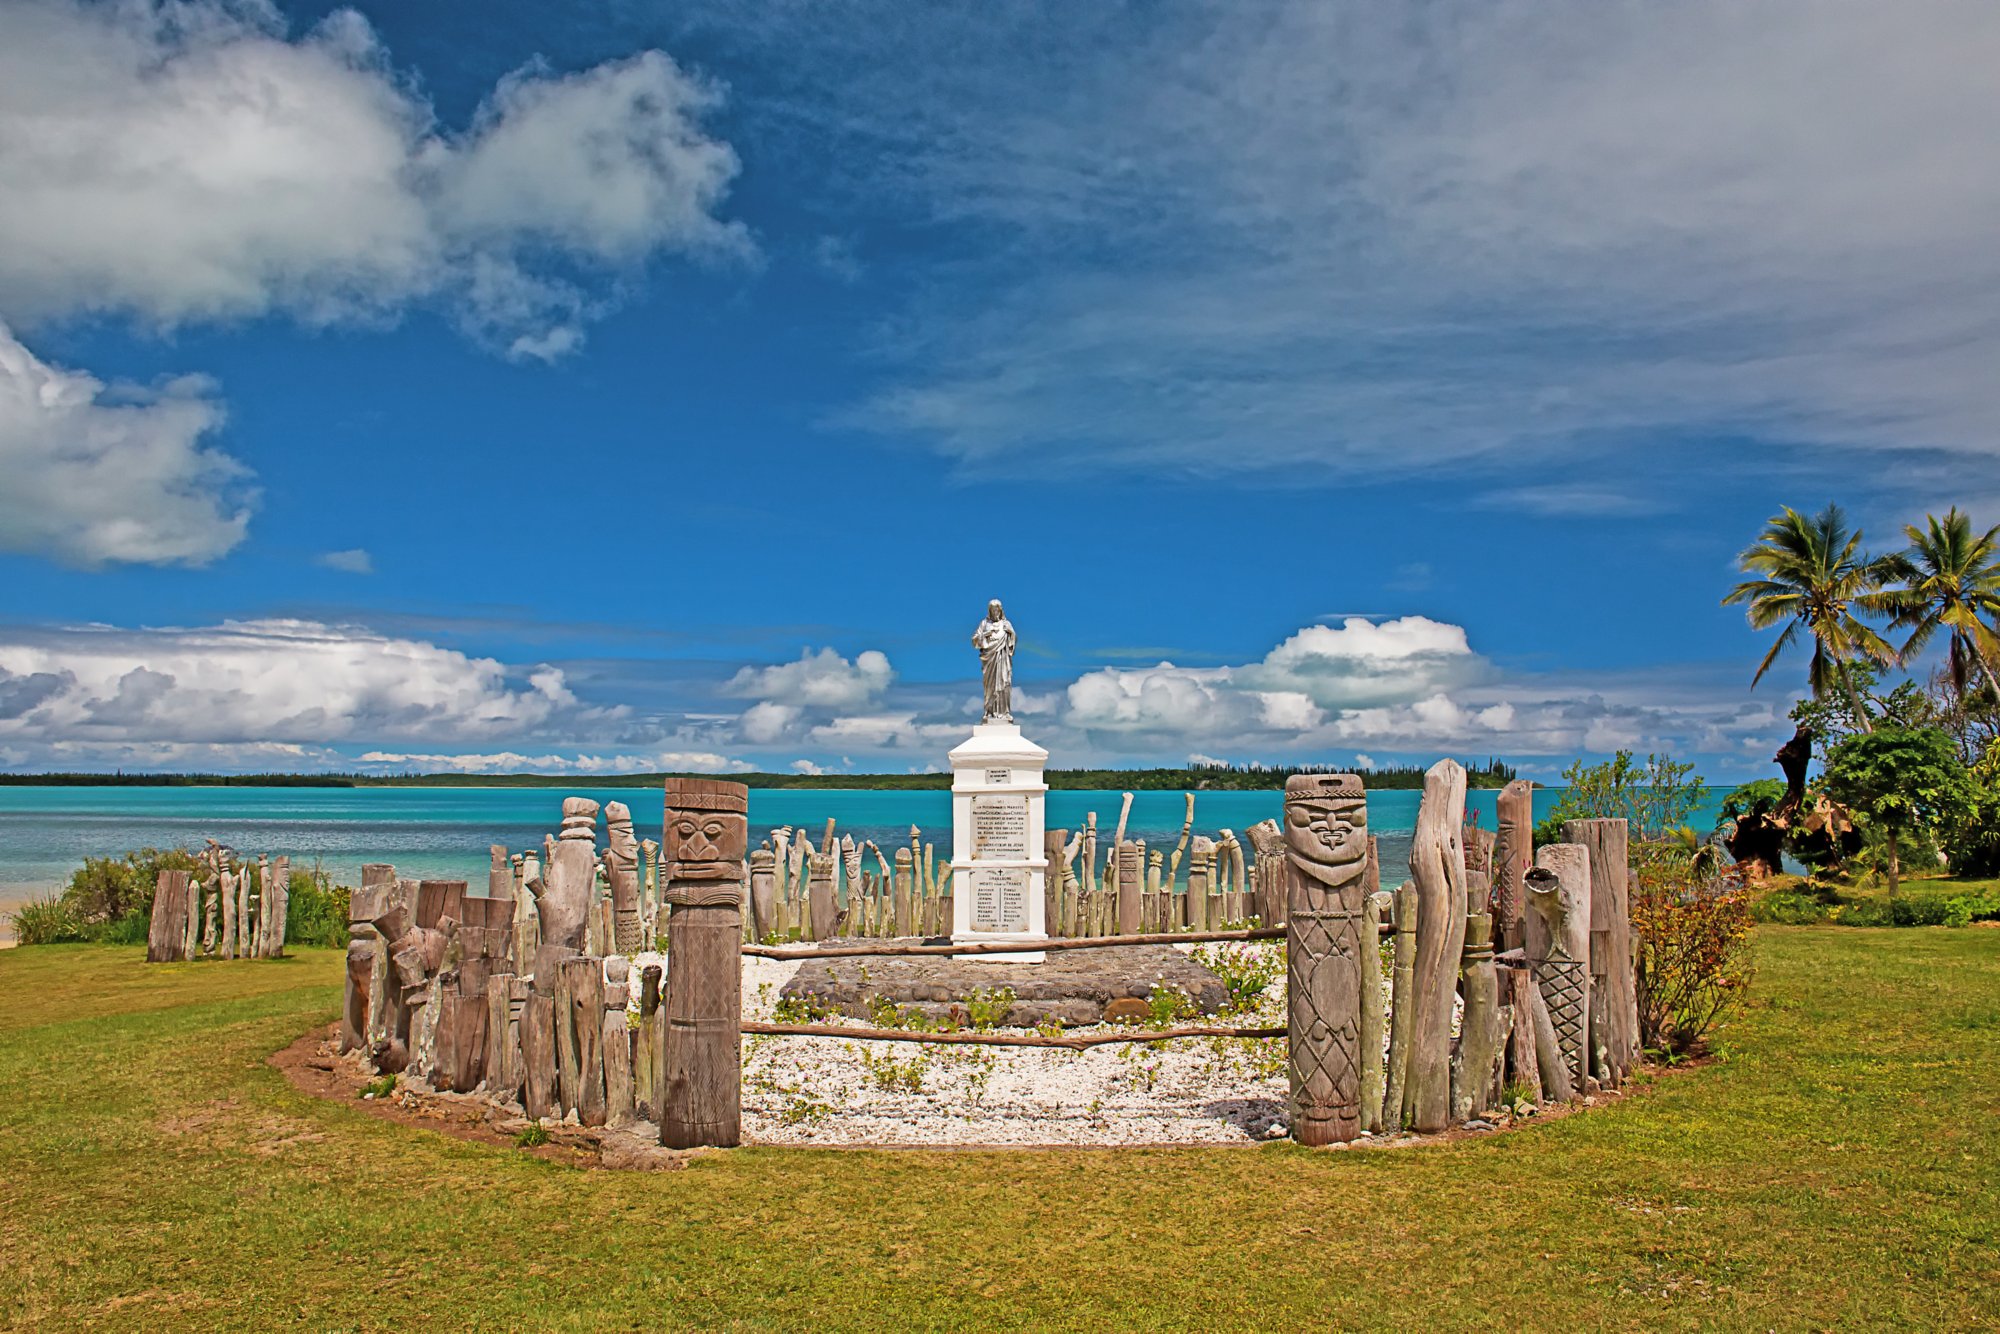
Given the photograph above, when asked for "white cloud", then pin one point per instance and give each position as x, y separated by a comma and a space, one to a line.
668, 761
293, 682
822, 680
97, 474
810, 768
1362, 761
767, 722
1285, 232
192, 162
354, 560
880, 731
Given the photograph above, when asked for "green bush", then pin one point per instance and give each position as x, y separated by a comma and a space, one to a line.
46, 921
1793, 905
316, 912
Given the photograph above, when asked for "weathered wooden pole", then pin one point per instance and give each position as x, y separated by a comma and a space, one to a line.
622, 870
1402, 1009
1374, 1072
616, 1044
1558, 946
1521, 1029
824, 911
1479, 1036
246, 922
167, 930
707, 829
1437, 865
1201, 865
763, 894
1326, 842
1513, 854
568, 883
1614, 1013
1131, 887
646, 1046
1268, 840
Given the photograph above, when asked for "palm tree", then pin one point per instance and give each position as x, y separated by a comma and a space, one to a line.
1950, 581
1814, 575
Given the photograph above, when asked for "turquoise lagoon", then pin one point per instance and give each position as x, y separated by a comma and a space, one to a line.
45, 832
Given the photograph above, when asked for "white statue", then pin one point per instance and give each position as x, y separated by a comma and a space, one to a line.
995, 641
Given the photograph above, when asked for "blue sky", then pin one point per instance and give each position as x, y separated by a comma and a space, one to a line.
457, 385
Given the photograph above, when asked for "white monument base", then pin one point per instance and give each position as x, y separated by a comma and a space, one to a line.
998, 864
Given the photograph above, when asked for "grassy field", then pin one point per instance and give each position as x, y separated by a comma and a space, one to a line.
1838, 1167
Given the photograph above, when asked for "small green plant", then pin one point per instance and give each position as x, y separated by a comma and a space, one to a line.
890, 1075
1051, 1027
46, 921
987, 1008
377, 1088
1245, 971
533, 1137
801, 1010
1167, 1003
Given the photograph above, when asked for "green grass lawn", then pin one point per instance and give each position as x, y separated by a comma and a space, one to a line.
1839, 1166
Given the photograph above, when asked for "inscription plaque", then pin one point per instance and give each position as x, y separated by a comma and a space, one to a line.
999, 898
999, 777
1000, 827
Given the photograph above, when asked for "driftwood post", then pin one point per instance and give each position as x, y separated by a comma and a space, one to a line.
1402, 1008
1513, 854
617, 1043
364, 905
1521, 1029
1326, 841
1558, 949
1271, 878
586, 989
1614, 999
707, 829
1479, 1036
646, 1046
1201, 865
622, 870
763, 894
1131, 888
1437, 865
166, 934
568, 882
825, 913
1374, 1072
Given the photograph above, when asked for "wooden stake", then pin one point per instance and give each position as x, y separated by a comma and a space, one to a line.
701, 1082
1613, 978
1437, 864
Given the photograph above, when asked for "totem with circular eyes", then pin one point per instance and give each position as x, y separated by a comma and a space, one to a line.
1326, 837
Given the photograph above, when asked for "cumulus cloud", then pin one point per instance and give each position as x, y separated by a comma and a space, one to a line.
98, 474
820, 680
193, 162
291, 682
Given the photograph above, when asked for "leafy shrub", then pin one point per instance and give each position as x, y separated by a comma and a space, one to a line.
1694, 956
316, 911
46, 921
1802, 904
1655, 798
1973, 844
988, 1007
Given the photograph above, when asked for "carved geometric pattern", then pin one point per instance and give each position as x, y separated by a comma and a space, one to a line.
1324, 974
1561, 981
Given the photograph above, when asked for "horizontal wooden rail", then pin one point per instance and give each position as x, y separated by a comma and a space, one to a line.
862, 950
1075, 1042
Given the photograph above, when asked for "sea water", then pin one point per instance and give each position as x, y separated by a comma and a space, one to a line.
444, 832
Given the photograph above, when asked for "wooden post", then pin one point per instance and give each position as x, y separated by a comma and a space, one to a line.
246, 924
850, 871
825, 913
1131, 859
616, 1044
1402, 1009
1437, 864
1052, 879
1521, 1030
1613, 982
1201, 865
701, 1086
190, 918
905, 921
1558, 946
538, 1056
1269, 842
570, 879
1326, 865
1479, 1023
1373, 1072
500, 1034
622, 870
364, 946
585, 976
646, 1046
763, 894
1513, 854
569, 1068
167, 931
1550, 1059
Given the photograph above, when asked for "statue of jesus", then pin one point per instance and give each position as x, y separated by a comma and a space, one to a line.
995, 641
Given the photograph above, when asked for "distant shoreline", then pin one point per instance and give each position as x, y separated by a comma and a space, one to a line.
1492, 774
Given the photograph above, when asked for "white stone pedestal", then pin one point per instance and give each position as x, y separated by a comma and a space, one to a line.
998, 816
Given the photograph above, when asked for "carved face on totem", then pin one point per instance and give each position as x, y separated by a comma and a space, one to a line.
707, 829
1326, 827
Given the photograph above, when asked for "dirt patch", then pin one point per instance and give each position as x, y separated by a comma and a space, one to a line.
313, 1065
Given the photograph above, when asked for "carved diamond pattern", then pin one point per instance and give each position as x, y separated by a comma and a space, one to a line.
1561, 981
1326, 1075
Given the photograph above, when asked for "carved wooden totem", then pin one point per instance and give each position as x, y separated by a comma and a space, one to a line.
1558, 948
568, 883
622, 866
707, 831
1326, 840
